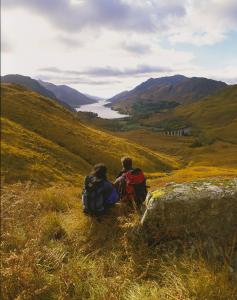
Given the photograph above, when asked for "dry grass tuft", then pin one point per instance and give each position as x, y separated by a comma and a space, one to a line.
50, 250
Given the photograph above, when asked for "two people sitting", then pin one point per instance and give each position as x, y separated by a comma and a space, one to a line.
99, 194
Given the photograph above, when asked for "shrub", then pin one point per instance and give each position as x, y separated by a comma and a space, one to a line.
184, 278
83, 278
51, 228
196, 144
54, 201
22, 277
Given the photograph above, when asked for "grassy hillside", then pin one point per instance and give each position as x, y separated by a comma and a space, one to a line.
41, 137
216, 160
214, 132
211, 118
32, 85
215, 116
209, 152
28, 156
28, 83
50, 250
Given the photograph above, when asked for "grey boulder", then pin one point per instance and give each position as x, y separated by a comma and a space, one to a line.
203, 210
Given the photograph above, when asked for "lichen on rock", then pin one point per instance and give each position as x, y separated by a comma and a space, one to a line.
204, 209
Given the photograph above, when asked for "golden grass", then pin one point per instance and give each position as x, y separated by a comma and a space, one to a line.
46, 141
50, 250
211, 118
189, 174
216, 160
215, 116
28, 156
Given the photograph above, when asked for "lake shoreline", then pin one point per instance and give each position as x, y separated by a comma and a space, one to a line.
102, 110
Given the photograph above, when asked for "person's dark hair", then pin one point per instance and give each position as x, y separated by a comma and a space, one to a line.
126, 162
99, 171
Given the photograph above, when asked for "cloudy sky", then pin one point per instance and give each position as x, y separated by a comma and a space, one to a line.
102, 47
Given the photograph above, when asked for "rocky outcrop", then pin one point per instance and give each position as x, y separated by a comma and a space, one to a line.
203, 210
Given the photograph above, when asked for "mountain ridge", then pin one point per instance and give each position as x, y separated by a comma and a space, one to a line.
32, 85
69, 95
29, 83
65, 95
178, 89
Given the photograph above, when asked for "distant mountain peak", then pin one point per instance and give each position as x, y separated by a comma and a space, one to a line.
176, 88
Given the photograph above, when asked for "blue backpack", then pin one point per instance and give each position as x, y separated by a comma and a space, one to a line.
97, 196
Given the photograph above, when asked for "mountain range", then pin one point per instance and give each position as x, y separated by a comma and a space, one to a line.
28, 83
176, 89
65, 95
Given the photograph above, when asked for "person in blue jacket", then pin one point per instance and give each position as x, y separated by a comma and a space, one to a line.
99, 194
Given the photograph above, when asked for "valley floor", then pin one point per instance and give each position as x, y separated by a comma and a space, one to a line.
191, 159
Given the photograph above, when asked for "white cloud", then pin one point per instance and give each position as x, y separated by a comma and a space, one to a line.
206, 22
112, 52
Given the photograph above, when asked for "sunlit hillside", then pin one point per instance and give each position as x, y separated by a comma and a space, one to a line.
214, 116
42, 141
211, 118
196, 162
51, 250
210, 150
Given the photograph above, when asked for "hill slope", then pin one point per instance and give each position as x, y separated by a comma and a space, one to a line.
28, 83
40, 137
67, 94
214, 116
31, 84
146, 85
157, 92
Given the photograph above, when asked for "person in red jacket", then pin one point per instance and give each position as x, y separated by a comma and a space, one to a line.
131, 183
